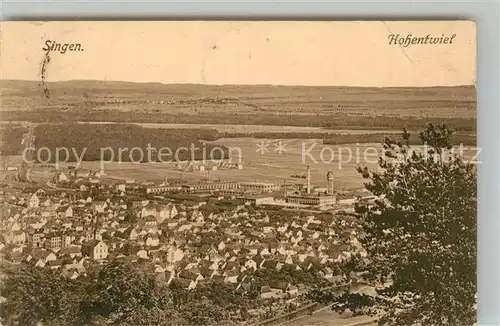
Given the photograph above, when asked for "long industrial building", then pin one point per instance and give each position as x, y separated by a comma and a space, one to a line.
211, 186
161, 189
260, 186
257, 187
309, 198
312, 199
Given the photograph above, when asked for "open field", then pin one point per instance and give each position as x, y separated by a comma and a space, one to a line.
241, 110
326, 317
271, 166
88, 97
268, 167
250, 129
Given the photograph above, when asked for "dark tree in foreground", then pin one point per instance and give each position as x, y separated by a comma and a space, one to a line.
35, 296
421, 235
118, 294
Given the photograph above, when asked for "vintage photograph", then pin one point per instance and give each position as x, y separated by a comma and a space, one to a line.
295, 173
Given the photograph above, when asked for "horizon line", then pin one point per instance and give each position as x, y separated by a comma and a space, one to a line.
200, 84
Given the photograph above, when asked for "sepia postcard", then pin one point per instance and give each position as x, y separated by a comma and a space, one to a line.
238, 173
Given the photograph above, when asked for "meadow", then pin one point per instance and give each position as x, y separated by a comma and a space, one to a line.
239, 116
268, 166
233, 104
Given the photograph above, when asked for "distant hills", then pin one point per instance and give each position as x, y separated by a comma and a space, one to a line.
185, 91
91, 100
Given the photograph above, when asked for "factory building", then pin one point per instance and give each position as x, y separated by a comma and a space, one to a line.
229, 187
260, 186
161, 189
258, 199
323, 198
237, 192
211, 186
312, 200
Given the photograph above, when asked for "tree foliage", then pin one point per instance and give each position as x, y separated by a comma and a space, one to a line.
119, 291
117, 294
34, 295
420, 235
89, 140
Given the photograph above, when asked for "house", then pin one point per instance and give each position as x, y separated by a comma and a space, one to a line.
68, 212
54, 264
34, 201
72, 251
265, 252
185, 227
327, 273
71, 274
40, 192
292, 290
259, 199
85, 174
95, 249
17, 237
139, 203
65, 211
272, 264
152, 240
165, 277
61, 177
99, 206
142, 253
174, 255
54, 241
38, 238
208, 273
131, 233
159, 211
191, 274
36, 223
150, 221
185, 283
231, 277
346, 199
267, 293
15, 257
336, 279
243, 288
148, 210
251, 264
40, 257
169, 223
196, 216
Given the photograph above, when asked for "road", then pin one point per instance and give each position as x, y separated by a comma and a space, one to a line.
326, 317
29, 143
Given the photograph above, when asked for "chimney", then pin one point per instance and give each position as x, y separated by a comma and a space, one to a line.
308, 179
329, 178
286, 189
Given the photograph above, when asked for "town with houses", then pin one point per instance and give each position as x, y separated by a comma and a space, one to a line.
188, 233
185, 233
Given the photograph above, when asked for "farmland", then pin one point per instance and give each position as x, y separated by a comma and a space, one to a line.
327, 317
270, 166
252, 129
330, 107
350, 119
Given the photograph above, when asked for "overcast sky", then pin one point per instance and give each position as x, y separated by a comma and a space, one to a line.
279, 53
